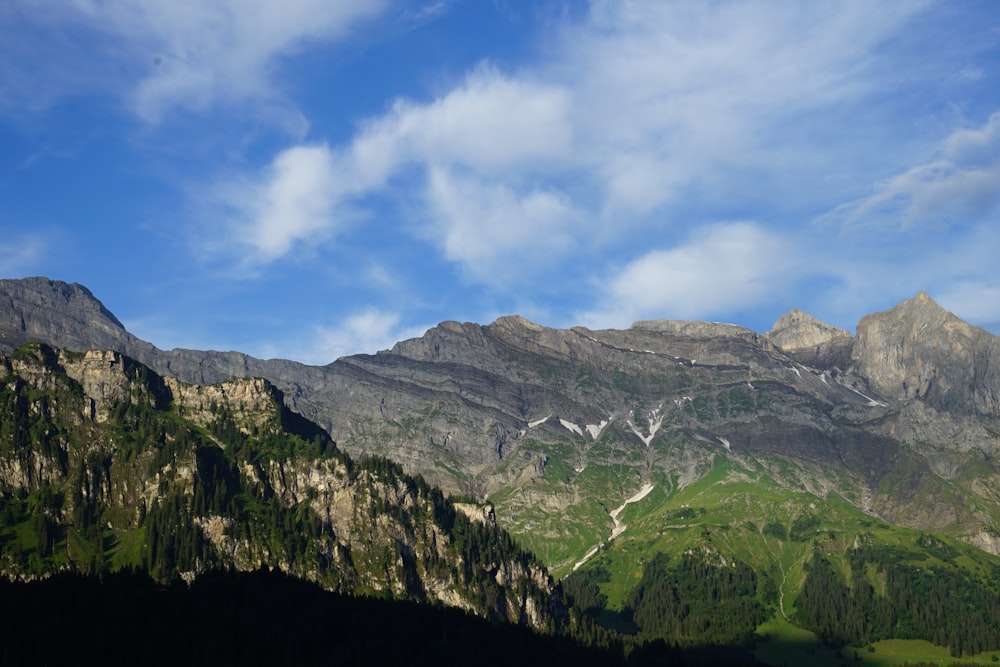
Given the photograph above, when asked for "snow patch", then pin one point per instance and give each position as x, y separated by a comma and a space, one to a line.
595, 430
655, 422
570, 426
872, 403
797, 372
586, 557
639, 495
725, 443
538, 422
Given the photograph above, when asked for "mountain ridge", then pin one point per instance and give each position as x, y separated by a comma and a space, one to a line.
536, 419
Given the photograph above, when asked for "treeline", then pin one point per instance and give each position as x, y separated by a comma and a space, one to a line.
888, 596
688, 611
695, 601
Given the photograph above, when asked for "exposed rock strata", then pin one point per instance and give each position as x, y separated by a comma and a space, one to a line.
500, 410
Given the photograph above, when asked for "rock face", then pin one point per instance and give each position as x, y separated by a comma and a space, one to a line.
902, 420
42, 309
179, 478
810, 341
918, 350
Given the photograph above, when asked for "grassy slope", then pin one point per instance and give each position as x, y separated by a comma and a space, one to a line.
739, 514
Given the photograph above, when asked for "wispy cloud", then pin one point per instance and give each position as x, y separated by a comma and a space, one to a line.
189, 55
367, 332
722, 268
642, 106
20, 253
961, 186
294, 203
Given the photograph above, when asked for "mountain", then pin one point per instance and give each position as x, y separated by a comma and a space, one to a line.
902, 420
604, 451
106, 465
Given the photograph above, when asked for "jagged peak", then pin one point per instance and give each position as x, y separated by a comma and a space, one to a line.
922, 300
797, 329
917, 311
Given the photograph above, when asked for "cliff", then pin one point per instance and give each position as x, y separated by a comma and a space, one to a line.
105, 464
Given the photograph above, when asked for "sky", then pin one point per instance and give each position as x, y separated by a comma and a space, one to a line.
307, 179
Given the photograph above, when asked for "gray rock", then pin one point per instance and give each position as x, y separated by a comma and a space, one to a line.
810, 341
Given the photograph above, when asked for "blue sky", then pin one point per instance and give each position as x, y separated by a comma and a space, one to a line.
307, 179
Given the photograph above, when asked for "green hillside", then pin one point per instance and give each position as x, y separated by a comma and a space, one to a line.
823, 570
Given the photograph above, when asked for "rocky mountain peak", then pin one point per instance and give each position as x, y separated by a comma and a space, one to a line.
920, 350
66, 314
810, 340
797, 329
516, 322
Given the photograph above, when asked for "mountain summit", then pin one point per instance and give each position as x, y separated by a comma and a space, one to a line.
920, 350
809, 340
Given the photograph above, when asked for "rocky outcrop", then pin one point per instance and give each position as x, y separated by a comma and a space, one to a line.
48, 310
114, 454
810, 341
918, 350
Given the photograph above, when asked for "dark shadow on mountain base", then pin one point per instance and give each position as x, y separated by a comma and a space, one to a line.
806, 652
268, 618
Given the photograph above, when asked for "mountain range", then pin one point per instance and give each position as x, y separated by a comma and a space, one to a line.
599, 449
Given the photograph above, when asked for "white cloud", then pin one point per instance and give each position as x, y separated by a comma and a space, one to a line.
194, 54
492, 230
294, 200
365, 332
639, 101
490, 122
297, 201
975, 146
720, 268
960, 187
